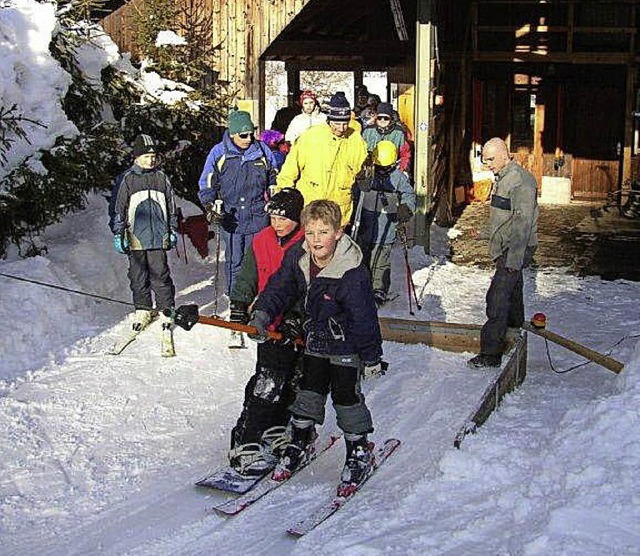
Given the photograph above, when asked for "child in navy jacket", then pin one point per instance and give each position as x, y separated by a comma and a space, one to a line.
341, 333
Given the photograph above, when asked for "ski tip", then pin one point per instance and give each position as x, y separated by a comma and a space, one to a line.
295, 533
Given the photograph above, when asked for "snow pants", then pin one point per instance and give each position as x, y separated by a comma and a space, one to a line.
324, 375
505, 305
149, 270
375, 237
269, 392
235, 247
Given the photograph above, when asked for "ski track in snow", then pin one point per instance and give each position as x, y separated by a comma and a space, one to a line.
101, 452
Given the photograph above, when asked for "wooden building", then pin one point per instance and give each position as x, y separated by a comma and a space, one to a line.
558, 79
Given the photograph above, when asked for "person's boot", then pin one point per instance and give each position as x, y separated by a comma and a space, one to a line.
484, 360
141, 319
248, 460
303, 435
358, 464
274, 442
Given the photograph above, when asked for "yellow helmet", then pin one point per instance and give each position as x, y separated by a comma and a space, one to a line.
385, 154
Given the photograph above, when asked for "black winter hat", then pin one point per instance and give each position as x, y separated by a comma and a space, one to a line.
288, 203
386, 109
143, 144
339, 108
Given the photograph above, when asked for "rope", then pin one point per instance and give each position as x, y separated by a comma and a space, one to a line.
546, 343
69, 290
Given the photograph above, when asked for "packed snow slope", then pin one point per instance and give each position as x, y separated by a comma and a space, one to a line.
101, 452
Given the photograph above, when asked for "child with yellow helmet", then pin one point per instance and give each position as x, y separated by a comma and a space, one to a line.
390, 201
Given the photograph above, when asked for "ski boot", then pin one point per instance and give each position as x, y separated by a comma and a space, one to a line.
274, 442
301, 447
358, 465
248, 460
141, 319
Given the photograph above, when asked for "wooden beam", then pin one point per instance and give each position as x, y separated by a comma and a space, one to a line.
512, 375
555, 57
607, 362
362, 49
447, 336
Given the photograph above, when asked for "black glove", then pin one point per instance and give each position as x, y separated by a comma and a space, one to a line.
259, 320
212, 214
239, 312
291, 328
404, 213
374, 370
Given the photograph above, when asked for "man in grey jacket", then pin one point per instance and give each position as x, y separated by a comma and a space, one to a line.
513, 220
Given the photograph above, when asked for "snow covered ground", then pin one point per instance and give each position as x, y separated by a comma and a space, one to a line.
101, 452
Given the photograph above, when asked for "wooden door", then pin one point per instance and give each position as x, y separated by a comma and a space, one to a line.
595, 131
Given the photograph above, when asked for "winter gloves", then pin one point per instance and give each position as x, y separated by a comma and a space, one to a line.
214, 213
239, 312
259, 320
169, 240
404, 213
121, 243
291, 328
374, 370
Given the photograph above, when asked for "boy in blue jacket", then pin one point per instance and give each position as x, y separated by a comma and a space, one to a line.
144, 222
341, 333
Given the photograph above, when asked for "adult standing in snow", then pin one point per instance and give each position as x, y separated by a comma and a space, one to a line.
144, 223
513, 222
309, 116
238, 171
324, 161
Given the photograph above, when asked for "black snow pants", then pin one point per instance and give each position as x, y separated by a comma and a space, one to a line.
505, 305
149, 270
268, 393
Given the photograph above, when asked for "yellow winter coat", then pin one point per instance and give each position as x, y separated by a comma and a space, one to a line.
323, 166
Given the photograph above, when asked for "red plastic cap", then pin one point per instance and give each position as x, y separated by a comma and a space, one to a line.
539, 320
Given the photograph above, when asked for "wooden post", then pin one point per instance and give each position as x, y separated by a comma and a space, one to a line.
607, 362
630, 106
293, 83
262, 100
423, 174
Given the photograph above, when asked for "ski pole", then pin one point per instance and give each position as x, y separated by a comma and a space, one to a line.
218, 209
411, 287
181, 228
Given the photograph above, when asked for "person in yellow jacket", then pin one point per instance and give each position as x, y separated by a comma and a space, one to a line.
324, 161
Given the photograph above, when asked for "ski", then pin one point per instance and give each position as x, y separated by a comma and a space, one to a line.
167, 347
264, 487
331, 507
228, 479
123, 343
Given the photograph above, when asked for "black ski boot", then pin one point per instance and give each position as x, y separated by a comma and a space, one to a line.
303, 435
358, 465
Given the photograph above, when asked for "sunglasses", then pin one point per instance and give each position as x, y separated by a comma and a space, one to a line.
245, 135
383, 118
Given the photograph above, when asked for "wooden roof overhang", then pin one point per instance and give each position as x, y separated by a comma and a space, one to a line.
354, 34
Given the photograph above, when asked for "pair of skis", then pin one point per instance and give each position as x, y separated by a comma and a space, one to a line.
256, 488
167, 348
